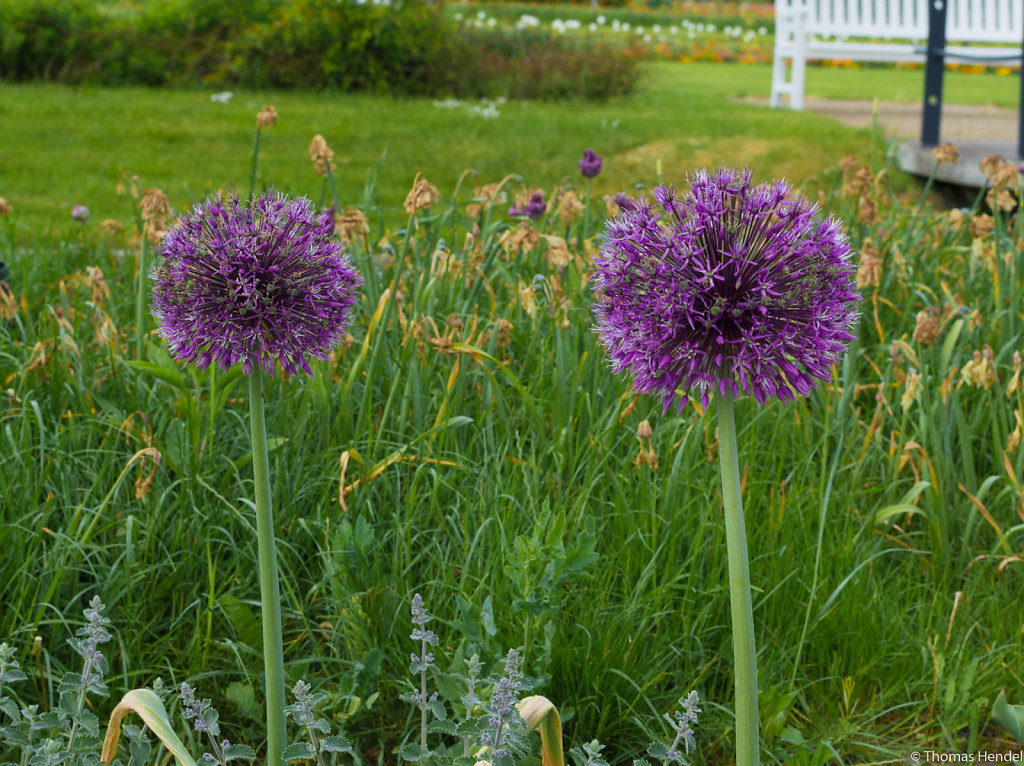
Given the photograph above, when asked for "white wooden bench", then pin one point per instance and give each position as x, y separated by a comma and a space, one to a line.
887, 30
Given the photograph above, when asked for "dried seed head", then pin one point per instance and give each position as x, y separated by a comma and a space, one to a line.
948, 153
5, 206
483, 198
155, 230
422, 195
926, 330
869, 267
154, 206
351, 225
523, 237
113, 227
849, 164
867, 210
527, 298
569, 207
1014, 385
557, 253
266, 117
979, 372
644, 430
982, 225
1001, 198
999, 171
1014, 439
912, 392
321, 155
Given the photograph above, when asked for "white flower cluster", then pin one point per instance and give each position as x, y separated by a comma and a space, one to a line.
486, 108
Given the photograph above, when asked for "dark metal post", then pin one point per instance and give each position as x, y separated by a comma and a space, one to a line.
934, 68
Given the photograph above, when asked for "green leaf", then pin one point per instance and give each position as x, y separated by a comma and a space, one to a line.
171, 376
658, 750
13, 674
71, 683
442, 727
10, 707
487, 615
297, 751
1010, 716
243, 620
244, 698
336, 744
90, 723
413, 752
239, 751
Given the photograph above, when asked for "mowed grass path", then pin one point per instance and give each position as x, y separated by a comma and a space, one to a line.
64, 146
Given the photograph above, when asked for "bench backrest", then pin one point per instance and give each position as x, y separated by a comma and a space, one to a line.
991, 21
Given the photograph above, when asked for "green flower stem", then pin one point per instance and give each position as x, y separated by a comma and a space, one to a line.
255, 158
270, 595
334, 190
744, 652
140, 299
586, 214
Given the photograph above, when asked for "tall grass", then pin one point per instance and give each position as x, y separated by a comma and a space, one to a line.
471, 444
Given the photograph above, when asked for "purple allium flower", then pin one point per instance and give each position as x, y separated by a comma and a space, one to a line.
533, 209
80, 213
731, 284
590, 165
625, 202
253, 282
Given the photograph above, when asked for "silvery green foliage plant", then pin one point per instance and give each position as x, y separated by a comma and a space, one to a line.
681, 722
317, 729
205, 721
70, 732
496, 735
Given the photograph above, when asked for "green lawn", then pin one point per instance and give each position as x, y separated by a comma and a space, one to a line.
66, 146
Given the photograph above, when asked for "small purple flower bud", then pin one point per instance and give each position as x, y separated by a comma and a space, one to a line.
590, 165
626, 204
536, 206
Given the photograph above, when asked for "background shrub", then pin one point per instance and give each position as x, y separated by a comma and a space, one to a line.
405, 48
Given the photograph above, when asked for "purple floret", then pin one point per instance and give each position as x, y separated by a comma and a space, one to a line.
253, 283
590, 165
733, 286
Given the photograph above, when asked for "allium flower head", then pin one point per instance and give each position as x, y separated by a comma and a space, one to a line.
253, 282
590, 165
733, 286
80, 213
533, 208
